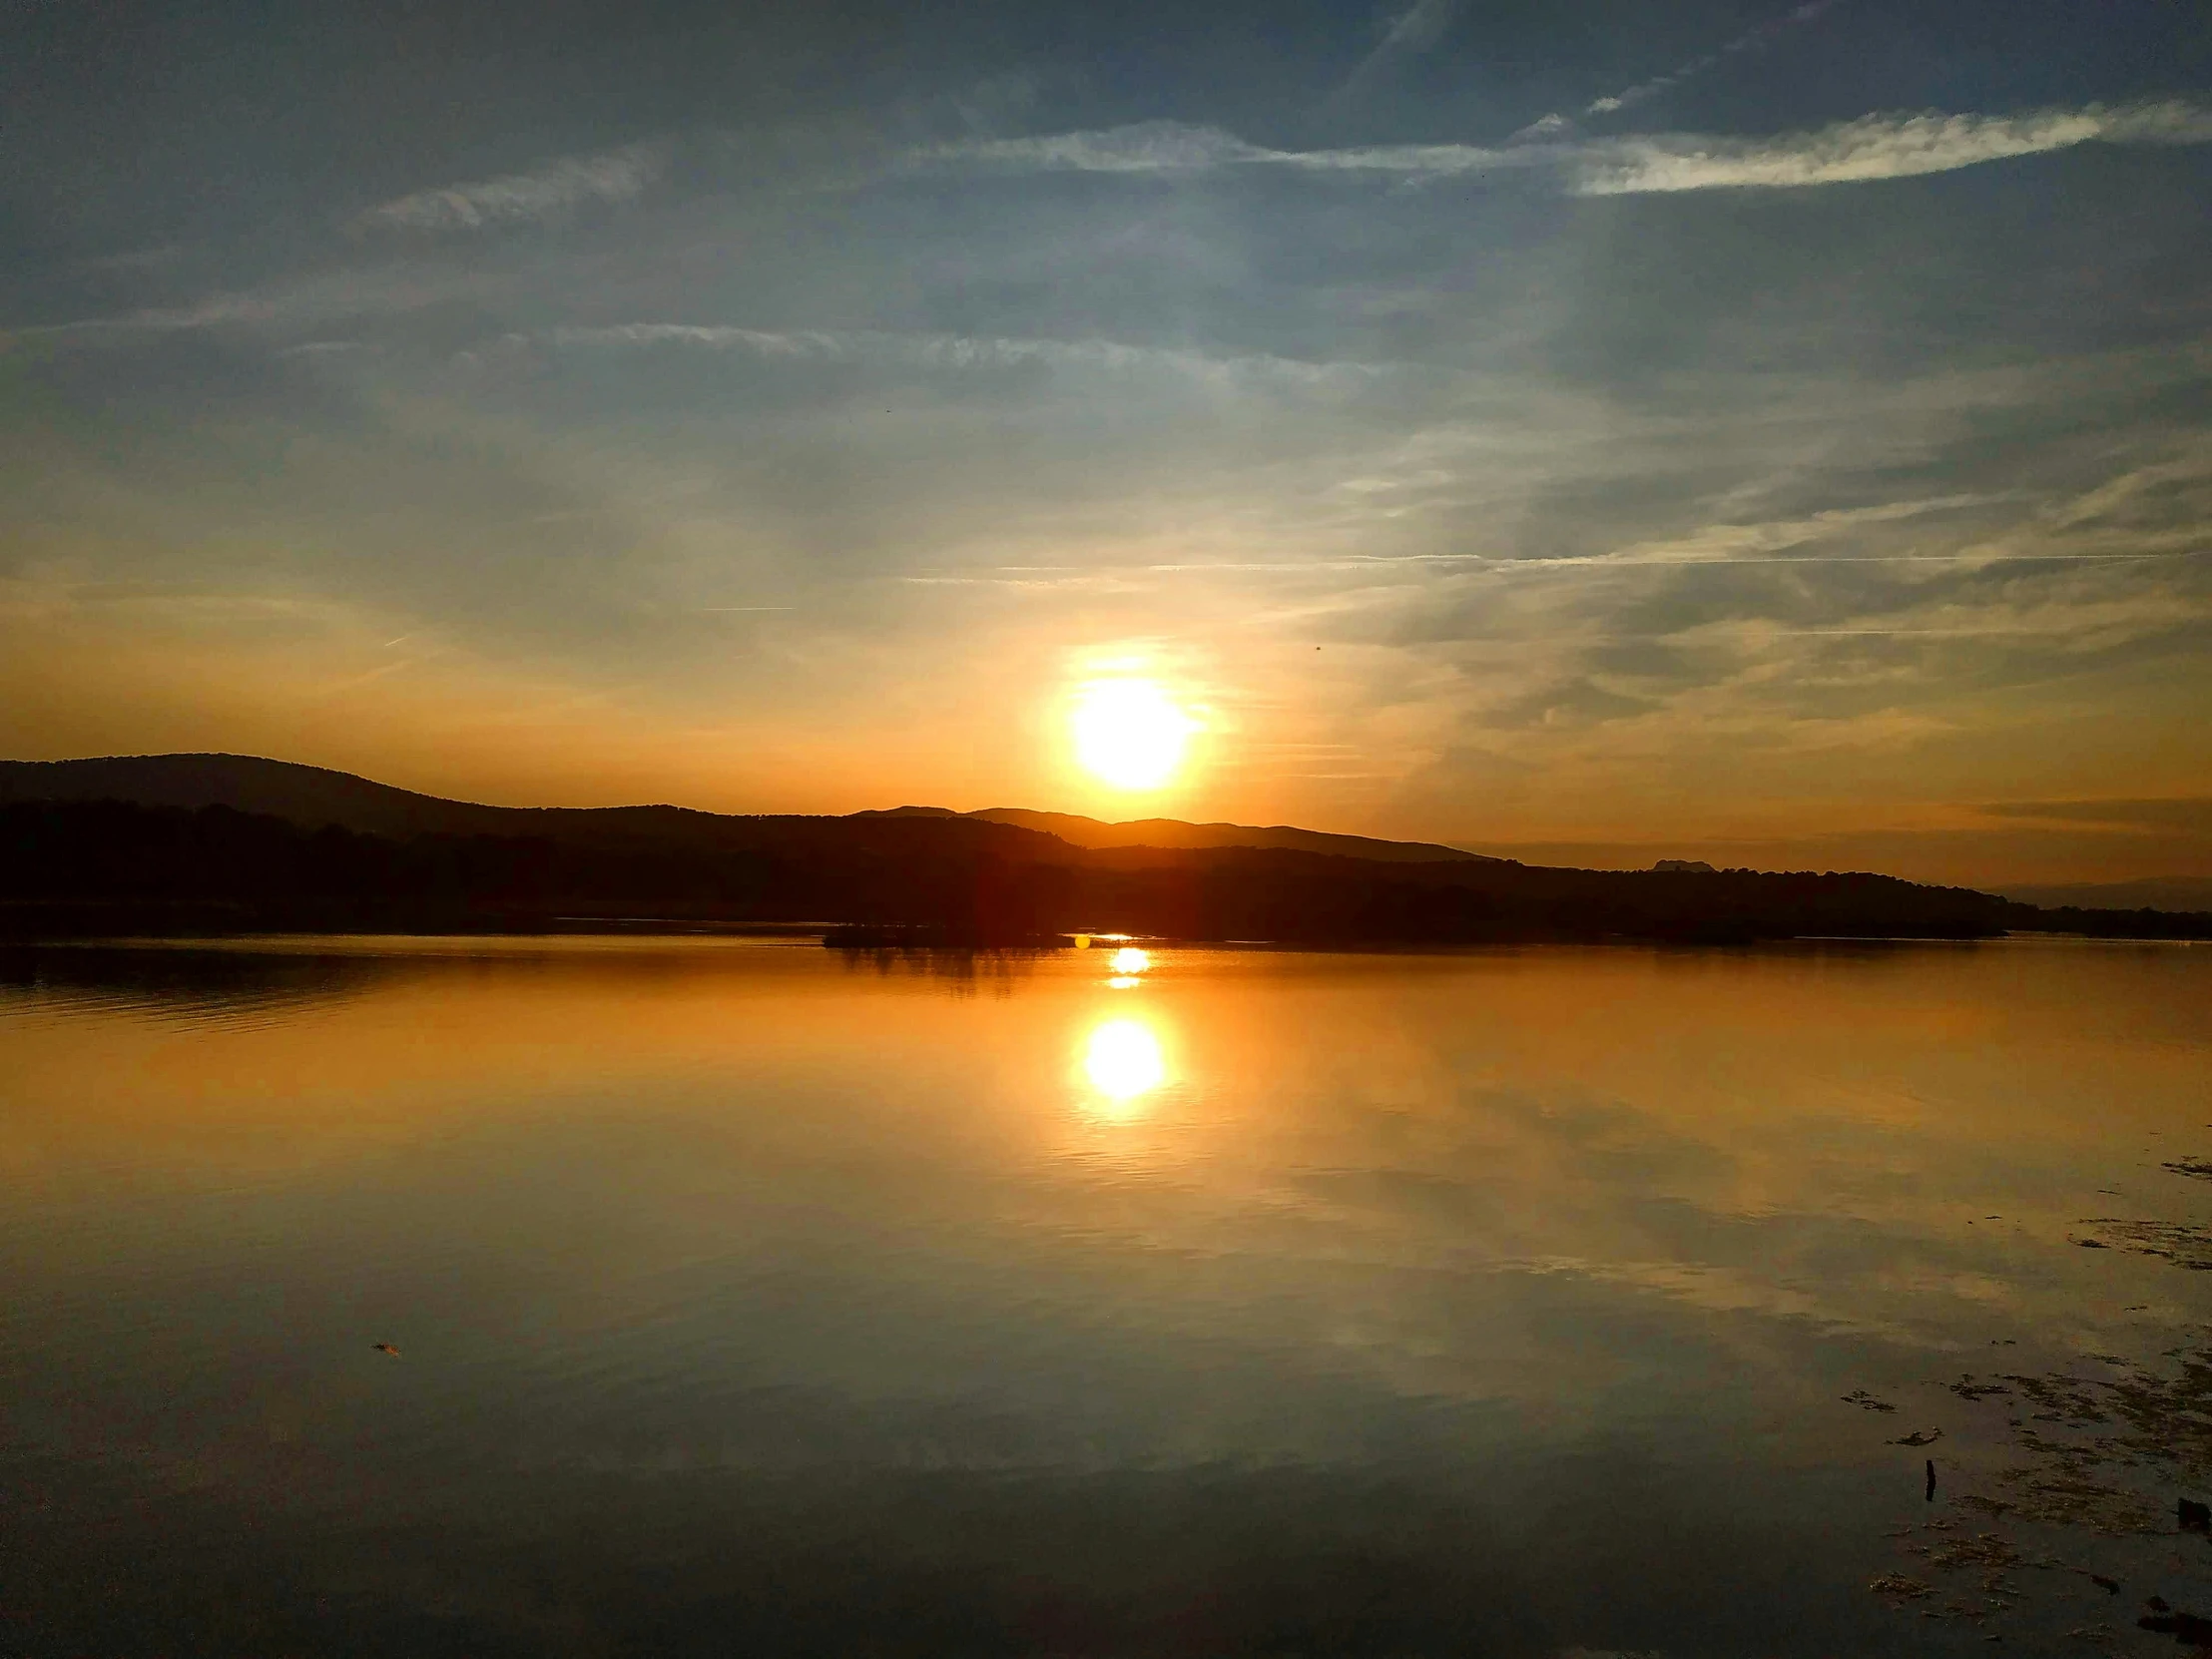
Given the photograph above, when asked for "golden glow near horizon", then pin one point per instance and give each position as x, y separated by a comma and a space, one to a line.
1129, 731
1123, 1060
1129, 959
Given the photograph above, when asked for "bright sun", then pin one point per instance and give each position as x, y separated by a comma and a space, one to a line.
1129, 733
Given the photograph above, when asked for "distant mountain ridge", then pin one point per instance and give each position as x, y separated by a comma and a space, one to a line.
1170, 831
312, 797
232, 843
2156, 893
171, 844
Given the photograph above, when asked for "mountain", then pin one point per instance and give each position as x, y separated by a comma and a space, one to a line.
316, 795
1168, 831
318, 799
308, 795
2157, 892
183, 843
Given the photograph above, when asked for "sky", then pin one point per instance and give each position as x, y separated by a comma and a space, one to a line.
1582, 431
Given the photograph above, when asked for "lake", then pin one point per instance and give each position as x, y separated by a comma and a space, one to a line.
754, 1297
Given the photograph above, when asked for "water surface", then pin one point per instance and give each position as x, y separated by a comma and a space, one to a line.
754, 1297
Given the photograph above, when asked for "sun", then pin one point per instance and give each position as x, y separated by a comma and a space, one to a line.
1129, 733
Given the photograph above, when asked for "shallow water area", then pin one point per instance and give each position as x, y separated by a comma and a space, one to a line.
747, 1295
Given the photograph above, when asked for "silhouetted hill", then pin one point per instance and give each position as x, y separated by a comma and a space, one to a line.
308, 795
1169, 831
94, 863
316, 795
2159, 892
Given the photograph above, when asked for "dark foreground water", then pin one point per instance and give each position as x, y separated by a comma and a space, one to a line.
749, 1298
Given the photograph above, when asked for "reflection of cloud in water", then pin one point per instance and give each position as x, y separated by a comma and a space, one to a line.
1283, 1288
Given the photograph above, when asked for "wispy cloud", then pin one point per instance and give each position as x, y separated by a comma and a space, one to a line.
1170, 146
331, 296
1870, 147
2187, 813
1873, 146
550, 191
955, 352
1143, 146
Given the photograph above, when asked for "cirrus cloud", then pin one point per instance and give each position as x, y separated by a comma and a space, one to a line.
1873, 146
552, 191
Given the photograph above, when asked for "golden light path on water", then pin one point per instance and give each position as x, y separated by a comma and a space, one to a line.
1270, 1242
1122, 1058
1123, 1061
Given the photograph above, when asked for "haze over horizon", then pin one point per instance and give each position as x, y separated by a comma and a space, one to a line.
1734, 432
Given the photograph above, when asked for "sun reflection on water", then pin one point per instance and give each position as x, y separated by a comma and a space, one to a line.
1123, 1061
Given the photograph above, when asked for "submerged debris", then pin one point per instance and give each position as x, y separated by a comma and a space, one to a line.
2185, 1628
2198, 1168
2064, 1499
2185, 1243
2139, 1420
2099, 1446
1897, 1584
1968, 1389
386, 1347
1987, 1553
2064, 1398
1866, 1402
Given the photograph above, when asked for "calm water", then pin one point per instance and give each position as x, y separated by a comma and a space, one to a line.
753, 1299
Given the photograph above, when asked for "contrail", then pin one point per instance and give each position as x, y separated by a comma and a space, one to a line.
1416, 29
1556, 125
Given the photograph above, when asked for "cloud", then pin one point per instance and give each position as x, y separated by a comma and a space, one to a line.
1170, 146
552, 192
329, 296
2190, 815
1545, 129
1873, 146
1870, 147
956, 352
1143, 146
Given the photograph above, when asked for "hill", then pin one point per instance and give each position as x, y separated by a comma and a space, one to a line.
137, 844
1169, 831
309, 796
2158, 893
313, 797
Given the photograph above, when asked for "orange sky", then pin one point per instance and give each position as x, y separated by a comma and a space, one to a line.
1568, 463
1975, 795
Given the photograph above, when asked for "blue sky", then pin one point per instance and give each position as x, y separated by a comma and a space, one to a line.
1584, 431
